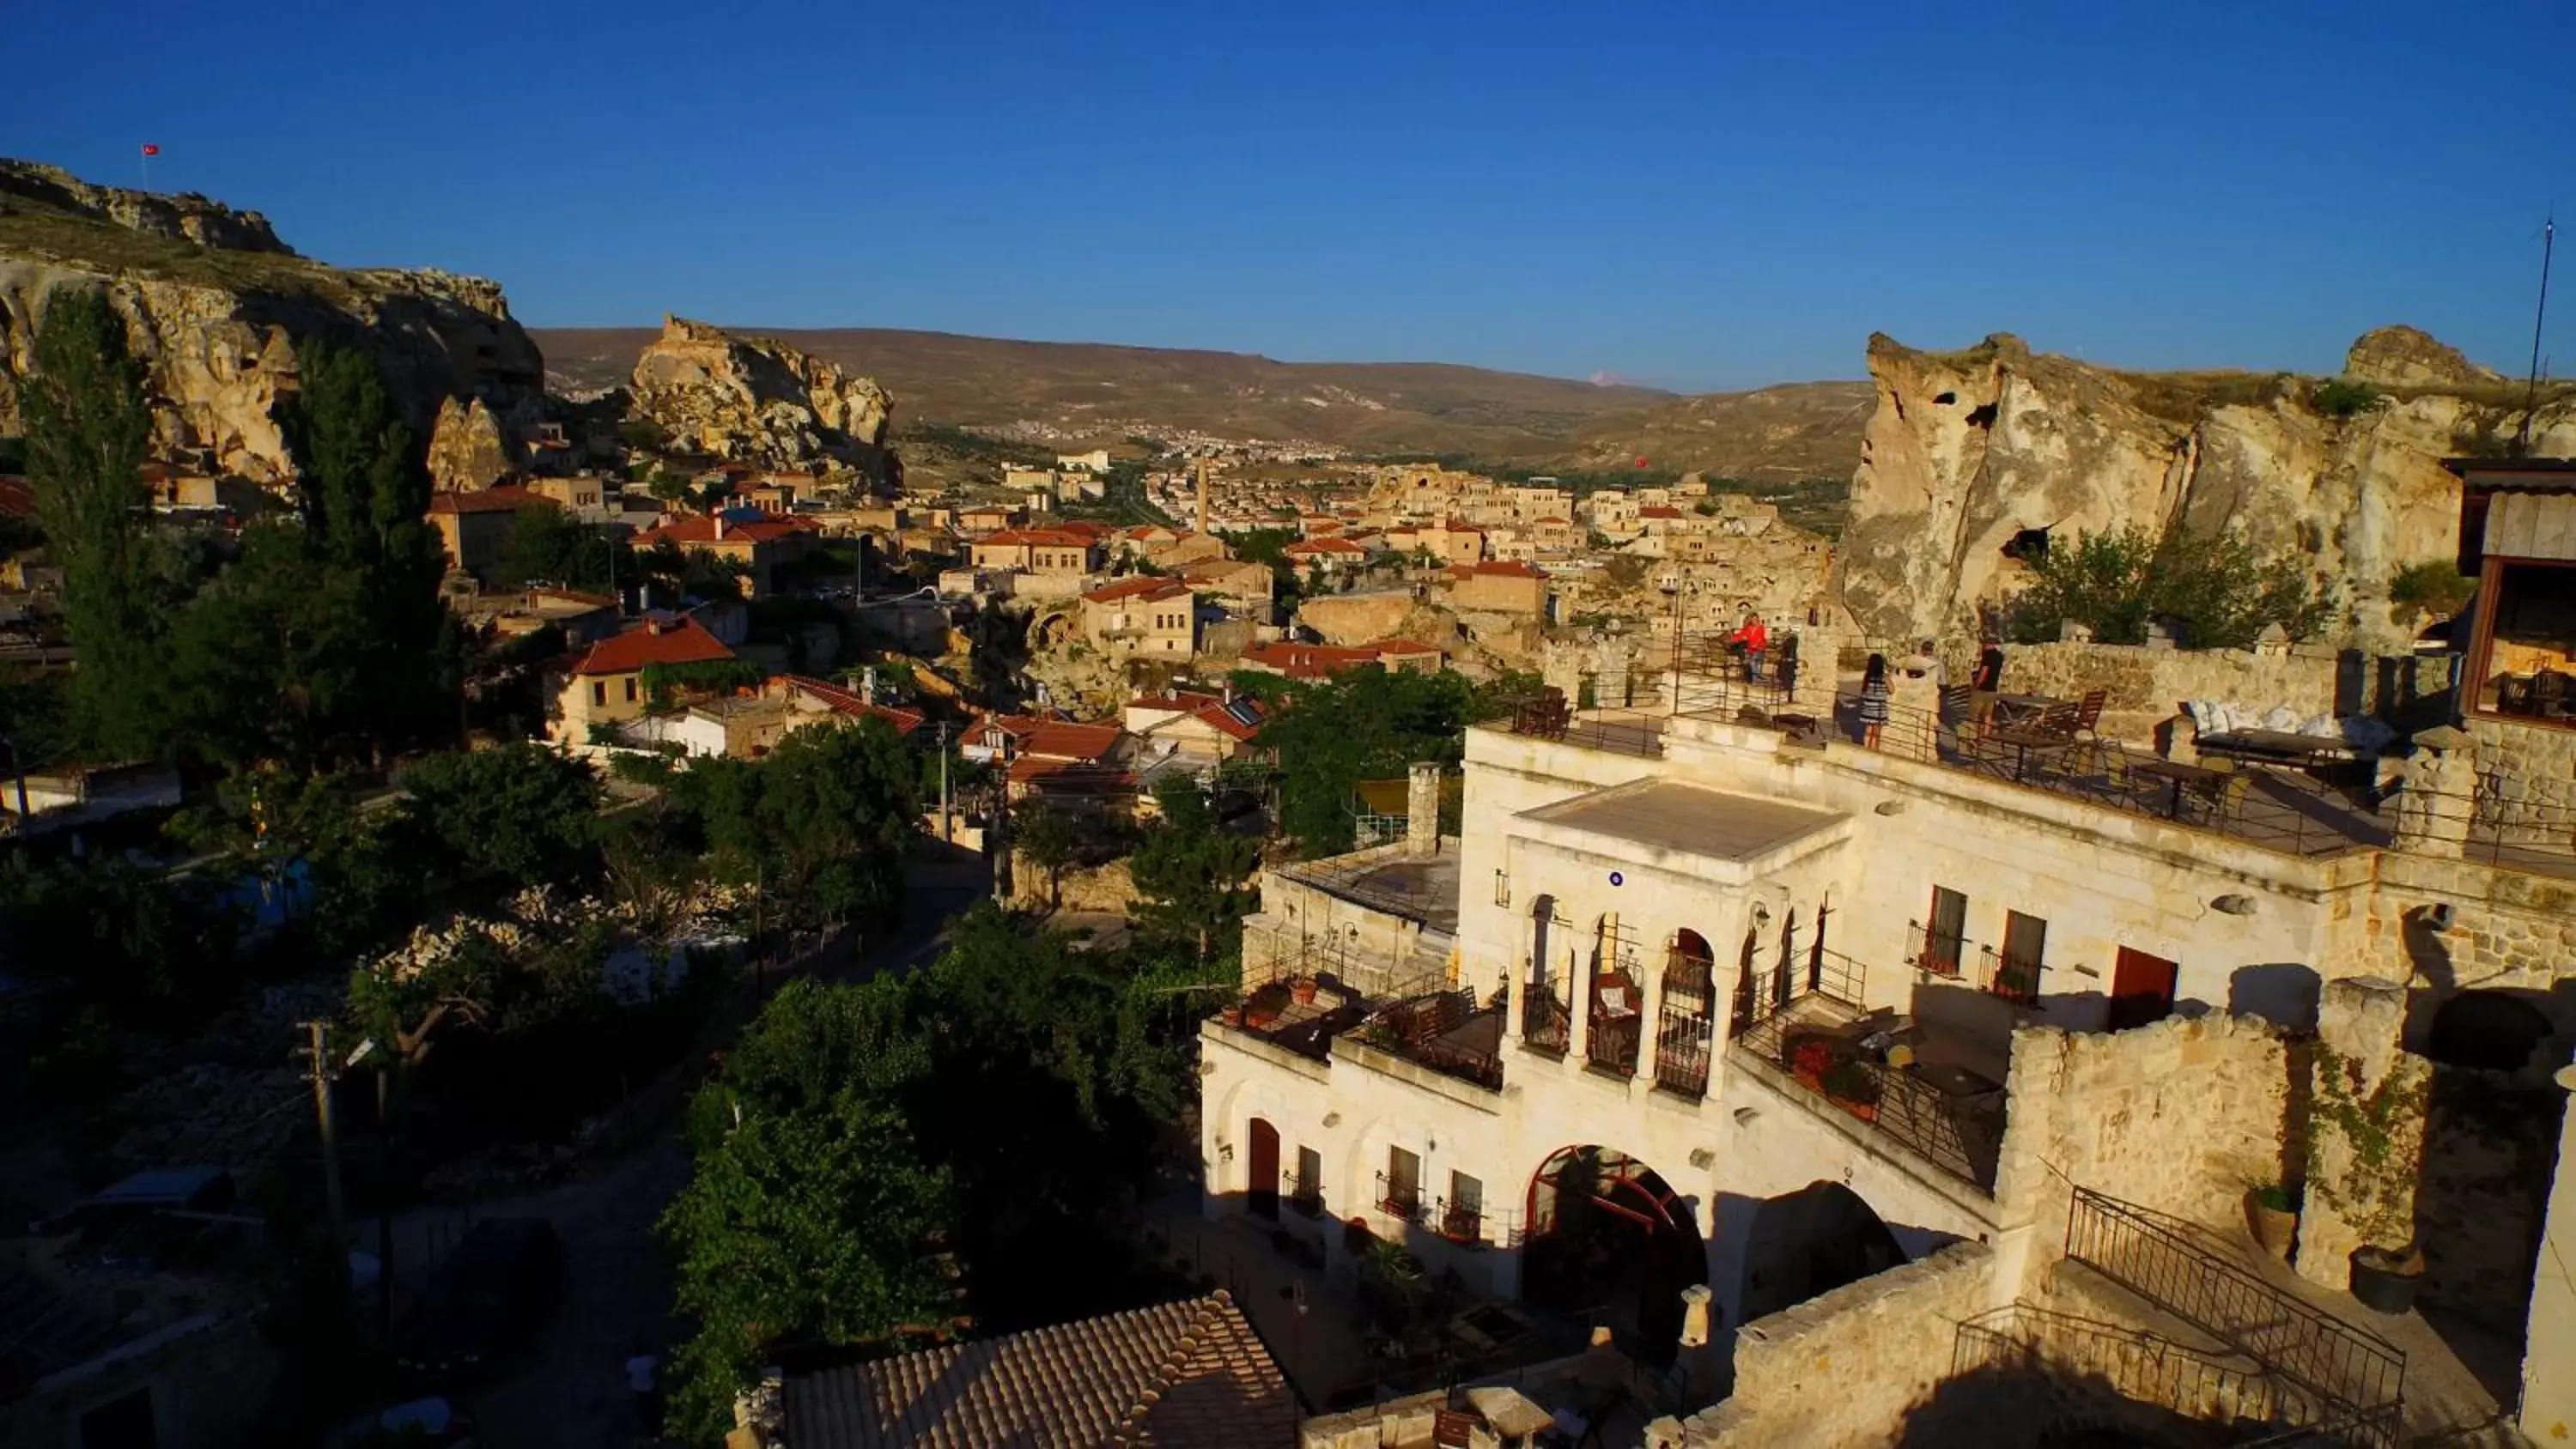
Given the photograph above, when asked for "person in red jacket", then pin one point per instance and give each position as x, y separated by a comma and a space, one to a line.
1754, 640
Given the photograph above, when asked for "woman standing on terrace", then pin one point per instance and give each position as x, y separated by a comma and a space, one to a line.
1873, 700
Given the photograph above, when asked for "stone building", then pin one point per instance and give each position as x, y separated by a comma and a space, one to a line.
1874, 1049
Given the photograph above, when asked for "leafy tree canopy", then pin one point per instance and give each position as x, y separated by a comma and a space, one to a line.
1195, 877
2115, 582
1362, 724
521, 812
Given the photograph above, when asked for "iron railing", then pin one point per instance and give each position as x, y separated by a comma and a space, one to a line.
1306, 1197
1936, 952
1547, 1015
1961, 1133
2137, 1366
1401, 1200
1614, 1003
2015, 979
1461, 1223
2163, 1260
1420, 1029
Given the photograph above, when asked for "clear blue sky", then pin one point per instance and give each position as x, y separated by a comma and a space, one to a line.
1695, 195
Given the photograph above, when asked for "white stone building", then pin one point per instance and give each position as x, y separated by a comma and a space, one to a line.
1698, 1000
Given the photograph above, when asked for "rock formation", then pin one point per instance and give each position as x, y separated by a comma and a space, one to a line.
468, 448
214, 305
1968, 451
757, 400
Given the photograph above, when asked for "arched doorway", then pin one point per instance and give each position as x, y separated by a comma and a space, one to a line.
1547, 1021
1687, 1019
1263, 1179
1050, 631
1605, 1233
1811, 1241
2493, 1031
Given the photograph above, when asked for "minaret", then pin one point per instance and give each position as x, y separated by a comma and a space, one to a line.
1204, 465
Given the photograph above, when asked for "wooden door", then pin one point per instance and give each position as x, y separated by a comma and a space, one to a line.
1265, 1169
2142, 989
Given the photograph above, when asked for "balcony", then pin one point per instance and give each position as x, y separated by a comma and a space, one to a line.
1402, 1200
1446, 1031
1903, 1079
1946, 956
1304, 1198
1547, 1021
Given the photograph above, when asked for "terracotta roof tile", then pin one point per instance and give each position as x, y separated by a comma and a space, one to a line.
1073, 1386
850, 703
509, 498
653, 641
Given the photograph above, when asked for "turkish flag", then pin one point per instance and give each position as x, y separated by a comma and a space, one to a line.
151, 150
1641, 460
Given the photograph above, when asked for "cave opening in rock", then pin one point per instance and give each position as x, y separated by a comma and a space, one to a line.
2030, 545
1947, 398
1982, 417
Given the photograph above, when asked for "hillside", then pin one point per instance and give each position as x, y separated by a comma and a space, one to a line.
1413, 408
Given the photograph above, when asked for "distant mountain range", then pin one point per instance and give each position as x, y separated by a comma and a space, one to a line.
1775, 434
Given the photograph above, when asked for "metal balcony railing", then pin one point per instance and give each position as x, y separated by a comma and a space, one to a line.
1547, 1016
1307, 1198
1936, 952
1400, 1200
2165, 1262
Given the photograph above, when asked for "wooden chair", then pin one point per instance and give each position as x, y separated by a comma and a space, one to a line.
2088, 725
2052, 733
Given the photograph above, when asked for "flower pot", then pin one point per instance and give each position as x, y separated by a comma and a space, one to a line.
1303, 991
2276, 1230
2386, 1282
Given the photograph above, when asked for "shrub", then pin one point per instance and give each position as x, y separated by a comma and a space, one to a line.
2343, 398
2434, 585
2114, 583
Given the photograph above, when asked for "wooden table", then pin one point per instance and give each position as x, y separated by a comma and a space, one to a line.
2012, 709
2179, 775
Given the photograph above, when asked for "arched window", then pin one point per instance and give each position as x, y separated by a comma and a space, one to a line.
1687, 1018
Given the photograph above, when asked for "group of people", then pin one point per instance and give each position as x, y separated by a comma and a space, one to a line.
1985, 684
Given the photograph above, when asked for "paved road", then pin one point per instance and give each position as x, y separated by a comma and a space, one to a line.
568, 1391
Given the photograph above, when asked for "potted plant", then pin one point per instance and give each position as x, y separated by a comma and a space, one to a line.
1303, 990
2371, 1188
1849, 1085
2272, 1215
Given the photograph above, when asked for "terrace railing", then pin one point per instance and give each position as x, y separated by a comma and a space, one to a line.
2134, 1365
1402, 1200
2165, 1262
1547, 1015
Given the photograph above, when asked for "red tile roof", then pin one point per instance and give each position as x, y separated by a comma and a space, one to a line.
702, 529
847, 702
1085, 743
1144, 589
1307, 661
1035, 538
1315, 546
1405, 646
680, 640
509, 498
1659, 510
1238, 721
1512, 568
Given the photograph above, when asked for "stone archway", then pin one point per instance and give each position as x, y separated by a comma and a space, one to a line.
1604, 1233
1811, 1241
1051, 629
2495, 1031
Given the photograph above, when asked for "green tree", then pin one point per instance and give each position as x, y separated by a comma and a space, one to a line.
1048, 839
87, 426
1195, 877
521, 812
1362, 724
2115, 582
548, 543
809, 1227
822, 826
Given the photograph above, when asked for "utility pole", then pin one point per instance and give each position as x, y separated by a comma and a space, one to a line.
2539, 316
317, 1048
944, 836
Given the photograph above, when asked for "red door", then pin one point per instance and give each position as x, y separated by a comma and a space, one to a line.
2142, 989
1265, 1169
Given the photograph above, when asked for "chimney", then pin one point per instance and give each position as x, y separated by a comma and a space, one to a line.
720, 524
1422, 810
868, 685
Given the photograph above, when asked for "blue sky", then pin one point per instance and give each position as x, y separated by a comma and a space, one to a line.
1693, 195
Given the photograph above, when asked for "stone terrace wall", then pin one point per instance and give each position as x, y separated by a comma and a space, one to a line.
2509, 931
2527, 781
2146, 686
2179, 1117
1841, 1369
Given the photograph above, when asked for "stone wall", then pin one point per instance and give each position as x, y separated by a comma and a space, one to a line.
2178, 1117
2527, 781
2505, 930
2146, 686
1842, 1368
2484, 1190
1078, 887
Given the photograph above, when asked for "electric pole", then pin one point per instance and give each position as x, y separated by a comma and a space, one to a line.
945, 837
2539, 317
318, 1048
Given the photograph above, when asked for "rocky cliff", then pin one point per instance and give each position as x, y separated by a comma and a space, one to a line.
214, 304
757, 399
1968, 450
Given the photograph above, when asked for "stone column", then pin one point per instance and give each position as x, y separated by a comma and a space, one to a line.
1820, 650
1422, 810
2549, 1355
2436, 805
1698, 1357
1913, 709
2358, 1027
